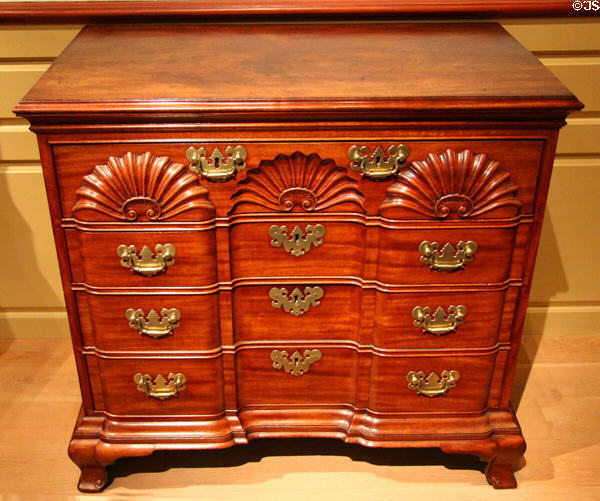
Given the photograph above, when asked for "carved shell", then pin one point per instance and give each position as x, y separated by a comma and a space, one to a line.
297, 183
140, 187
452, 185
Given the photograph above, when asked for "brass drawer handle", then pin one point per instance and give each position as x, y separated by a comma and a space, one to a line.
161, 388
297, 243
297, 364
432, 385
154, 326
378, 167
146, 263
439, 323
298, 303
219, 168
448, 259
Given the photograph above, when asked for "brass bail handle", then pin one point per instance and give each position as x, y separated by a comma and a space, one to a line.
161, 388
439, 323
448, 259
433, 385
378, 165
146, 263
153, 325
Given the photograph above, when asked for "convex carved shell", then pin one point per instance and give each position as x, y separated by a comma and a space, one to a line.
141, 188
452, 185
297, 183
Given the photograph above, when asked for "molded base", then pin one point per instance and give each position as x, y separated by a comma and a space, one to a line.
495, 437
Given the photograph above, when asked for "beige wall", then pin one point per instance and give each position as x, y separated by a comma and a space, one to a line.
566, 289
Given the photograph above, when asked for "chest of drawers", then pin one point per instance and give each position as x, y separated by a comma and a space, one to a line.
296, 230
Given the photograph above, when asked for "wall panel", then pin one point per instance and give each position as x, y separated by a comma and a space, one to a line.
30, 277
16, 80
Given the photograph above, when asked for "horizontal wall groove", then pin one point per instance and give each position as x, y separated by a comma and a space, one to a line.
32, 310
584, 157
573, 57
584, 114
539, 305
21, 66
583, 53
26, 61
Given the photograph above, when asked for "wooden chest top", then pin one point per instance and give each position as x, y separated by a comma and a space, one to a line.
381, 70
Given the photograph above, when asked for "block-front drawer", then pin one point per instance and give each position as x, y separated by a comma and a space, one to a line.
435, 384
281, 247
443, 320
296, 311
446, 256
298, 374
143, 259
156, 323
165, 386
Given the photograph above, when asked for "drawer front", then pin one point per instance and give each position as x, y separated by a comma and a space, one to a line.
331, 379
288, 248
193, 264
390, 390
202, 395
402, 259
126, 322
466, 319
335, 315
521, 159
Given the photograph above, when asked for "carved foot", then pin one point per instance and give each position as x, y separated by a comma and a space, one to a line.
93, 474
502, 453
500, 468
93, 456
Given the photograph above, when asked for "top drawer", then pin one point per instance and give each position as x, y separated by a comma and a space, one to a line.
443, 179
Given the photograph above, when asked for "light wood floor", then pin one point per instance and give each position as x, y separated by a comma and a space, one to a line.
558, 399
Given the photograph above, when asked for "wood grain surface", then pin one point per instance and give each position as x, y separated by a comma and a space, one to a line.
186, 10
296, 67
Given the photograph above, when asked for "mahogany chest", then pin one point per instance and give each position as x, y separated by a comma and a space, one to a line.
323, 230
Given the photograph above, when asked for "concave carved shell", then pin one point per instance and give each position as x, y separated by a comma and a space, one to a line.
297, 183
140, 188
452, 185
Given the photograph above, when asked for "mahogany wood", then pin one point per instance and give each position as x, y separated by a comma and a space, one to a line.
399, 256
115, 115
105, 327
339, 302
194, 264
272, 72
200, 10
203, 393
74, 158
481, 328
389, 393
343, 240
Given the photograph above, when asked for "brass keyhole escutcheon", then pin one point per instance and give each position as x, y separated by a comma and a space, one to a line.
298, 242
296, 365
297, 303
